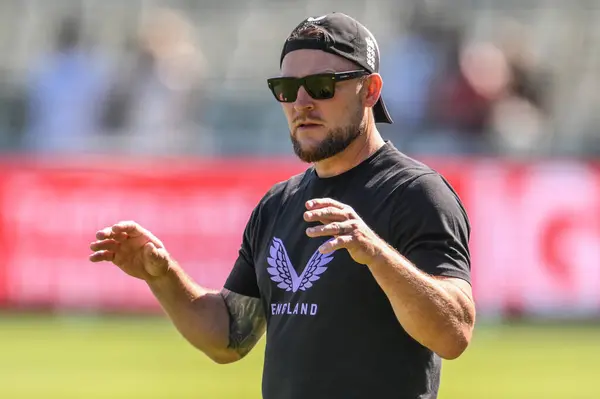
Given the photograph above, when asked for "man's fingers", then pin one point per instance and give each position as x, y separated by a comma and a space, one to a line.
335, 244
132, 229
108, 233
108, 245
331, 229
102, 256
324, 202
104, 233
324, 215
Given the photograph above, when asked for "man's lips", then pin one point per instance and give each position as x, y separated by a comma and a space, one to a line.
308, 125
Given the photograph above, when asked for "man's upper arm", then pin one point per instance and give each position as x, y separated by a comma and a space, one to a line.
247, 321
432, 229
242, 278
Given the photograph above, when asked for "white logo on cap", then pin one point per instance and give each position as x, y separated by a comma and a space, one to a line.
370, 52
312, 19
372, 49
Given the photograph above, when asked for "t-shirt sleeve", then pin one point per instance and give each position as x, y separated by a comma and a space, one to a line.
242, 278
431, 228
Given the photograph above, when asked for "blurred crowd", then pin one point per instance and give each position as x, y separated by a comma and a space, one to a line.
188, 77
449, 95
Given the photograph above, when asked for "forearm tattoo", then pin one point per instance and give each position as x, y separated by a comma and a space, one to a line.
247, 321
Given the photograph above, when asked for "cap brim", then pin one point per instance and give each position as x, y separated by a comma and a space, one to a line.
381, 113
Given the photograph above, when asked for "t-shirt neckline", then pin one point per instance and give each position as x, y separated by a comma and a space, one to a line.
387, 146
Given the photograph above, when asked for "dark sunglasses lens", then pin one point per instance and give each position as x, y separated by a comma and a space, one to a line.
320, 87
285, 90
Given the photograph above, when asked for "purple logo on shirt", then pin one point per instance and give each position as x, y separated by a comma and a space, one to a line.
282, 271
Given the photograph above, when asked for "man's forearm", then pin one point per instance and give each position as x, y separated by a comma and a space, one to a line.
436, 314
200, 315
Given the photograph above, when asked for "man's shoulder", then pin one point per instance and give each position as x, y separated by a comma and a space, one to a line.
400, 169
421, 187
415, 182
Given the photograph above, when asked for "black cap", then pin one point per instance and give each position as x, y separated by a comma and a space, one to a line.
346, 37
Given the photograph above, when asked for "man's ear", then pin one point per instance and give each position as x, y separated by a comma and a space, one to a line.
372, 89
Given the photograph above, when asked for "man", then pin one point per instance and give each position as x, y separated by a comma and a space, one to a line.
358, 268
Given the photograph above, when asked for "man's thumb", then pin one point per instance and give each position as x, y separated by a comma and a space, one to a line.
157, 262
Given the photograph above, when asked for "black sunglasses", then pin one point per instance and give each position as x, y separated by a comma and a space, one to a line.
320, 86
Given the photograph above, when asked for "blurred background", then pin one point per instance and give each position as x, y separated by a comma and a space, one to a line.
158, 111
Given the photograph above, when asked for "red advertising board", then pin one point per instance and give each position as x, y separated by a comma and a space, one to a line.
50, 213
535, 240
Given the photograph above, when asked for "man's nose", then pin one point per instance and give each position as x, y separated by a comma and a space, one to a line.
303, 101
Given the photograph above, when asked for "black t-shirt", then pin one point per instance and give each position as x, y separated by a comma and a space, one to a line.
331, 331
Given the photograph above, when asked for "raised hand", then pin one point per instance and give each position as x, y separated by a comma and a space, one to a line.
132, 248
348, 230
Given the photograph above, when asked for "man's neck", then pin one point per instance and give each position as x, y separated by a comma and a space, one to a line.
362, 148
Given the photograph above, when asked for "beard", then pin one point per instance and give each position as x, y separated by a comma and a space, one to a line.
336, 141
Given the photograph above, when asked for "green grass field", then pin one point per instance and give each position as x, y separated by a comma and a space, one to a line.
117, 357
